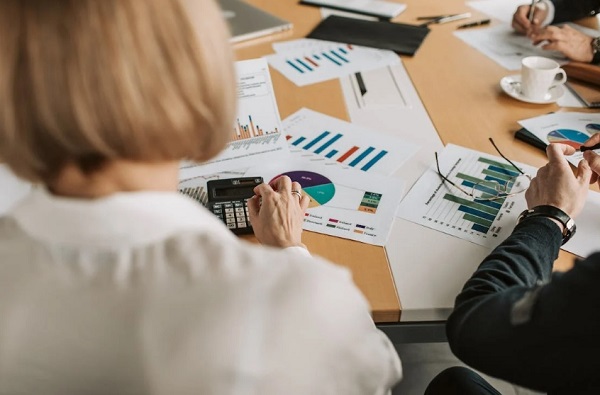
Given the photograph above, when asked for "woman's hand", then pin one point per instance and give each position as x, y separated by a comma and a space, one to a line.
277, 213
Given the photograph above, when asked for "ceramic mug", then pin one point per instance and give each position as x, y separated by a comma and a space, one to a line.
539, 75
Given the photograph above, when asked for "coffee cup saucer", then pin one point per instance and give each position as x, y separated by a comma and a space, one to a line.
511, 85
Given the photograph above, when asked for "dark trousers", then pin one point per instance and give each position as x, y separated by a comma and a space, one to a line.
459, 381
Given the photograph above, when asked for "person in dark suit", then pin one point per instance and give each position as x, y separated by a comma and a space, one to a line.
573, 44
517, 320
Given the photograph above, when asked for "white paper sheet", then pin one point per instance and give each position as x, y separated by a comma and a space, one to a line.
505, 47
319, 137
438, 205
587, 236
257, 133
571, 128
307, 62
344, 203
501, 10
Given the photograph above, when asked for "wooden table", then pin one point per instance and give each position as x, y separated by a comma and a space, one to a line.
460, 89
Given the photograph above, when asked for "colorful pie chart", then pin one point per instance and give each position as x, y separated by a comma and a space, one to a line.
317, 187
592, 128
571, 137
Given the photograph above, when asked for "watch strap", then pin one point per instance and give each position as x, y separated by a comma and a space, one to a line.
596, 50
548, 211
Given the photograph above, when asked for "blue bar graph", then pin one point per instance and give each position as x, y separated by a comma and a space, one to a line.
342, 50
294, 66
332, 59
480, 228
331, 153
298, 141
343, 59
362, 156
327, 144
316, 140
480, 214
373, 161
304, 64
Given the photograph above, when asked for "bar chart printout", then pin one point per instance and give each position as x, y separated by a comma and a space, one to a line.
436, 204
308, 61
324, 138
256, 132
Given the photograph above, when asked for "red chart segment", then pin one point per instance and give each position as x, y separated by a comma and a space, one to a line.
571, 137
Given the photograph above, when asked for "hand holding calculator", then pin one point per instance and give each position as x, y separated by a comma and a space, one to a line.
228, 200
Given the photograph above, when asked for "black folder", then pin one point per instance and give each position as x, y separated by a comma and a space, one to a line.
400, 38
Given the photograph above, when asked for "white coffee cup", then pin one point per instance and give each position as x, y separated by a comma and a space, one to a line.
539, 75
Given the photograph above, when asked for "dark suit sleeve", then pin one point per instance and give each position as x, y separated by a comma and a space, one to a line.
516, 321
570, 10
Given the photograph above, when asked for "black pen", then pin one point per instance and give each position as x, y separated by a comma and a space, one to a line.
593, 147
473, 24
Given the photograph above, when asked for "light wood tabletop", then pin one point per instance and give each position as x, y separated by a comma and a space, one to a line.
458, 86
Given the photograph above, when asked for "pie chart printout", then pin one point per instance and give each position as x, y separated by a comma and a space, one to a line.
571, 137
592, 128
317, 187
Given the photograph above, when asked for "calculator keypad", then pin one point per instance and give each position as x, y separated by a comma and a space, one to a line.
234, 214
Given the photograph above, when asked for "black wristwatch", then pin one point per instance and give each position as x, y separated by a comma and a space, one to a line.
596, 50
547, 211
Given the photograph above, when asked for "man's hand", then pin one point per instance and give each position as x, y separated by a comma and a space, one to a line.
570, 42
556, 185
593, 158
521, 22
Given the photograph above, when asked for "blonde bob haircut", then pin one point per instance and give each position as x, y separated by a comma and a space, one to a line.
90, 81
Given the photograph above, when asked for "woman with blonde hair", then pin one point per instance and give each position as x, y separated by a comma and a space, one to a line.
110, 281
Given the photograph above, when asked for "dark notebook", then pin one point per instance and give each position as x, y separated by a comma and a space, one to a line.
530, 138
400, 38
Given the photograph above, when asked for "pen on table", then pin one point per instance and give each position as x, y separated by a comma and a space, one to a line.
593, 147
473, 24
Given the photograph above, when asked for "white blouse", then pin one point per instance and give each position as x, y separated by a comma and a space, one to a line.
148, 293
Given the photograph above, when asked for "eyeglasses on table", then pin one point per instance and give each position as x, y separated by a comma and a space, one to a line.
508, 181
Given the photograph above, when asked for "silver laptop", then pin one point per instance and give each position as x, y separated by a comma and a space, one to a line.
246, 21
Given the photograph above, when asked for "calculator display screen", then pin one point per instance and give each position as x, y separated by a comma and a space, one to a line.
236, 192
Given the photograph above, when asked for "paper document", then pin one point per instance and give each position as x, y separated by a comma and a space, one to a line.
571, 128
587, 235
343, 203
319, 137
257, 132
501, 10
505, 47
436, 204
307, 61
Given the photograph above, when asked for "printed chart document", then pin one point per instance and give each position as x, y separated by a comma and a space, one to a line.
343, 203
308, 61
505, 47
257, 132
319, 137
571, 128
436, 204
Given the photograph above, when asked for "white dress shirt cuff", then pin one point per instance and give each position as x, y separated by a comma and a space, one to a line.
550, 16
298, 250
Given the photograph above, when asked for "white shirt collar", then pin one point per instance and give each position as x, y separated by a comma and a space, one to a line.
121, 219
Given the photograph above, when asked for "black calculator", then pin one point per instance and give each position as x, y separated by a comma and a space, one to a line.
228, 200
